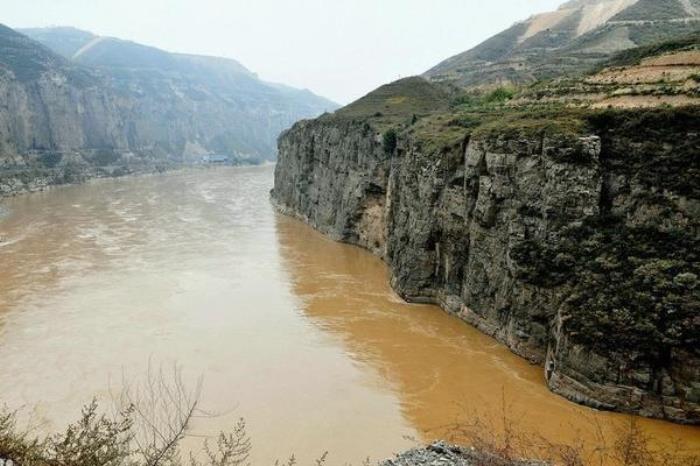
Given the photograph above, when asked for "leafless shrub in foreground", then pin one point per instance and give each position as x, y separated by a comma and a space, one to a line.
625, 445
148, 423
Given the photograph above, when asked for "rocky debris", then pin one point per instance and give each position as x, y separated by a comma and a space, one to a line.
443, 454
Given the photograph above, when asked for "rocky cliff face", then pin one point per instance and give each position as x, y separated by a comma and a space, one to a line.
125, 108
195, 104
55, 129
577, 249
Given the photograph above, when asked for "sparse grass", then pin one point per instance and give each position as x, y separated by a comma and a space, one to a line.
397, 103
621, 443
401, 98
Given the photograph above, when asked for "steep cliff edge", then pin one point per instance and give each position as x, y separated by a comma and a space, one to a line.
570, 235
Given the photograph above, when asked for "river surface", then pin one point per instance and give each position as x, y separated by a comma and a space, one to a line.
300, 335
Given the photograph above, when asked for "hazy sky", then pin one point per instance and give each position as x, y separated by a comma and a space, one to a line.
340, 49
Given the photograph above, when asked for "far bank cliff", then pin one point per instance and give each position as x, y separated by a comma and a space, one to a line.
573, 241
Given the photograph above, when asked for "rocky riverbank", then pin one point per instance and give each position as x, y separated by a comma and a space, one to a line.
27, 180
441, 454
573, 241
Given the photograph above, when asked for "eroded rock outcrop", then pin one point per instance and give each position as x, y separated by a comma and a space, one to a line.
442, 454
577, 249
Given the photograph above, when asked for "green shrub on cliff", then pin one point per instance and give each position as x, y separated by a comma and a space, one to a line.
105, 157
50, 159
389, 141
500, 95
73, 172
659, 147
638, 284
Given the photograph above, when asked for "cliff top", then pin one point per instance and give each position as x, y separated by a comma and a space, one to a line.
440, 115
403, 97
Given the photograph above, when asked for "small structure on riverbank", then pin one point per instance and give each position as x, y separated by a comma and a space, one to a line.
218, 159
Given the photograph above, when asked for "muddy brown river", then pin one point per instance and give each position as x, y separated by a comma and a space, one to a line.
300, 335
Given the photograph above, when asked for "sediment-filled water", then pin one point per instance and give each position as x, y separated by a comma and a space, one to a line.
300, 335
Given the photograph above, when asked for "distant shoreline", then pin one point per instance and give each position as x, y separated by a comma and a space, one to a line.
92, 177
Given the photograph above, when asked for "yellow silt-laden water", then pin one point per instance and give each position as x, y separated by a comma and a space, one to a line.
299, 334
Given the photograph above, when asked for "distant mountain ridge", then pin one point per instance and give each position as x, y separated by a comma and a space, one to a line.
72, 91
86, 48
568, 40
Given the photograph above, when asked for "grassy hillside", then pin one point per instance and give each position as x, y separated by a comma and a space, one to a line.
441, 115
407, 96
65, 41
646, 10
636, 55
27, 60
561, 43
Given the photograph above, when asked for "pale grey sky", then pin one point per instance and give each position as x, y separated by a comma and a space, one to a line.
340, 49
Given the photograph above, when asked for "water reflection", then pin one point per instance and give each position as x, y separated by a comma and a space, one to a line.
443, 370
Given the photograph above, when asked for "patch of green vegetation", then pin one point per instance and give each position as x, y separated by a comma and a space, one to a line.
73, 173
472, 117
389, 141
475, 99
437, 133
637, 283
396, 103
50, 159
499, 95
534, 121
105, 157
658, 146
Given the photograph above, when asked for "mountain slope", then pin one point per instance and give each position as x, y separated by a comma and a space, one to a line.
109, 107
568, 40
216, 103
65, 41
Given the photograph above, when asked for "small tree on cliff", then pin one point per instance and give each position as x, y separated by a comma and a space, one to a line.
389, 141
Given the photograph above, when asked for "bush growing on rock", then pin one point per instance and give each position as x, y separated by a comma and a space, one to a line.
150, 422
499, 95
637, 283
50, 159
389, 141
